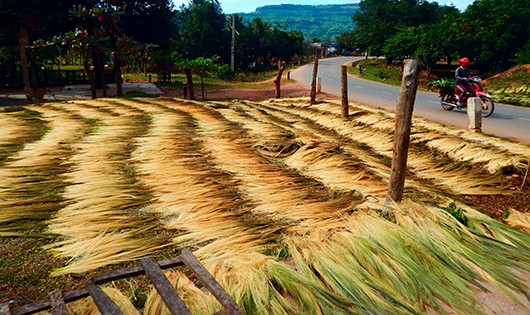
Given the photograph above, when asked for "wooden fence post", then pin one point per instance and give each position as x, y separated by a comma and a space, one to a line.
474, 114
314, 83
344, 88
404, 109
277, 87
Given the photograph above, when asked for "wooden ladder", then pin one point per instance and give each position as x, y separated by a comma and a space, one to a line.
57, 301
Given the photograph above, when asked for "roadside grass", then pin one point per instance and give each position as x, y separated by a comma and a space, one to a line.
511, 87
64, 67
376, 70
241, 80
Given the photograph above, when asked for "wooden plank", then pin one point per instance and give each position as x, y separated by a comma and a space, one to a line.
5, 309
210, 283
163, 286
104, 303
110, 276
75, 295
32, 308
57, 301
101, 278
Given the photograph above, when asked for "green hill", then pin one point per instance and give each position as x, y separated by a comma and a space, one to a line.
323, 22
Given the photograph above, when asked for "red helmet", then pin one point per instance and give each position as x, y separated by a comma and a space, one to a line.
464, 61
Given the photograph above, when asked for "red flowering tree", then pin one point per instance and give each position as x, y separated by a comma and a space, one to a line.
99, 39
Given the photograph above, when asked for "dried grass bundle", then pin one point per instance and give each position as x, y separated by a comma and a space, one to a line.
103, 221
194, 202
519, 220
32, 178
12, 128
283, 234
195, 299
428, 166
87, 306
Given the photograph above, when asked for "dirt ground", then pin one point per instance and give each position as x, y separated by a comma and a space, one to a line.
289, 89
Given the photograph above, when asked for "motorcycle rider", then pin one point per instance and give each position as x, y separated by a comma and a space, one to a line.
462, 74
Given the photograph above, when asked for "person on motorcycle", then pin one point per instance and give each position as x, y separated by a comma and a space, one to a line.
462, 74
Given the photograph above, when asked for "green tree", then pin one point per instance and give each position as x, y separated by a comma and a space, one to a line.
259, 42
379, 20
402, 44
50, 18
202, 67
150, 21
202, 31
499, 30
523, 56
442, 40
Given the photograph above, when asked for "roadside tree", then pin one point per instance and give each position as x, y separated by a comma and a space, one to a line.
500, 29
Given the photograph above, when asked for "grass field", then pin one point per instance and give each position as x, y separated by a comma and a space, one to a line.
281, 202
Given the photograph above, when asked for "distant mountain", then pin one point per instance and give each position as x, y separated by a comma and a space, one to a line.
314, 21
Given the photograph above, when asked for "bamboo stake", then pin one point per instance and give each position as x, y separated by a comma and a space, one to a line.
281, 67
314, 83
344, 88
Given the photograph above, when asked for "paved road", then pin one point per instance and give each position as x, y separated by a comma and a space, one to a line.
507, 121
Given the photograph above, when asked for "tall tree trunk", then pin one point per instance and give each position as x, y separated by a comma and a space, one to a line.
99, 71
189, 84
102, 74
90, 75
23, 42
202, 88
117, 74
33, 70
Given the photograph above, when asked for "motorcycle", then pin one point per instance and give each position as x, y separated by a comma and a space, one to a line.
449, 99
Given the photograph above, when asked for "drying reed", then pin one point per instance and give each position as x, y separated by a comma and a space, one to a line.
105, 217
274, 199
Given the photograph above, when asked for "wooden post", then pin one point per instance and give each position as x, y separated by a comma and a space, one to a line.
5, 309
313, 94
474, 114
288, 75
281, 67
319, 85
344, 88
404, 109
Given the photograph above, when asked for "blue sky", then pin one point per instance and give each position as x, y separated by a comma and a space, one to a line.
246, 6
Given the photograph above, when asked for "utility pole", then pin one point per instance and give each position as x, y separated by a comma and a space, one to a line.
233, 44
